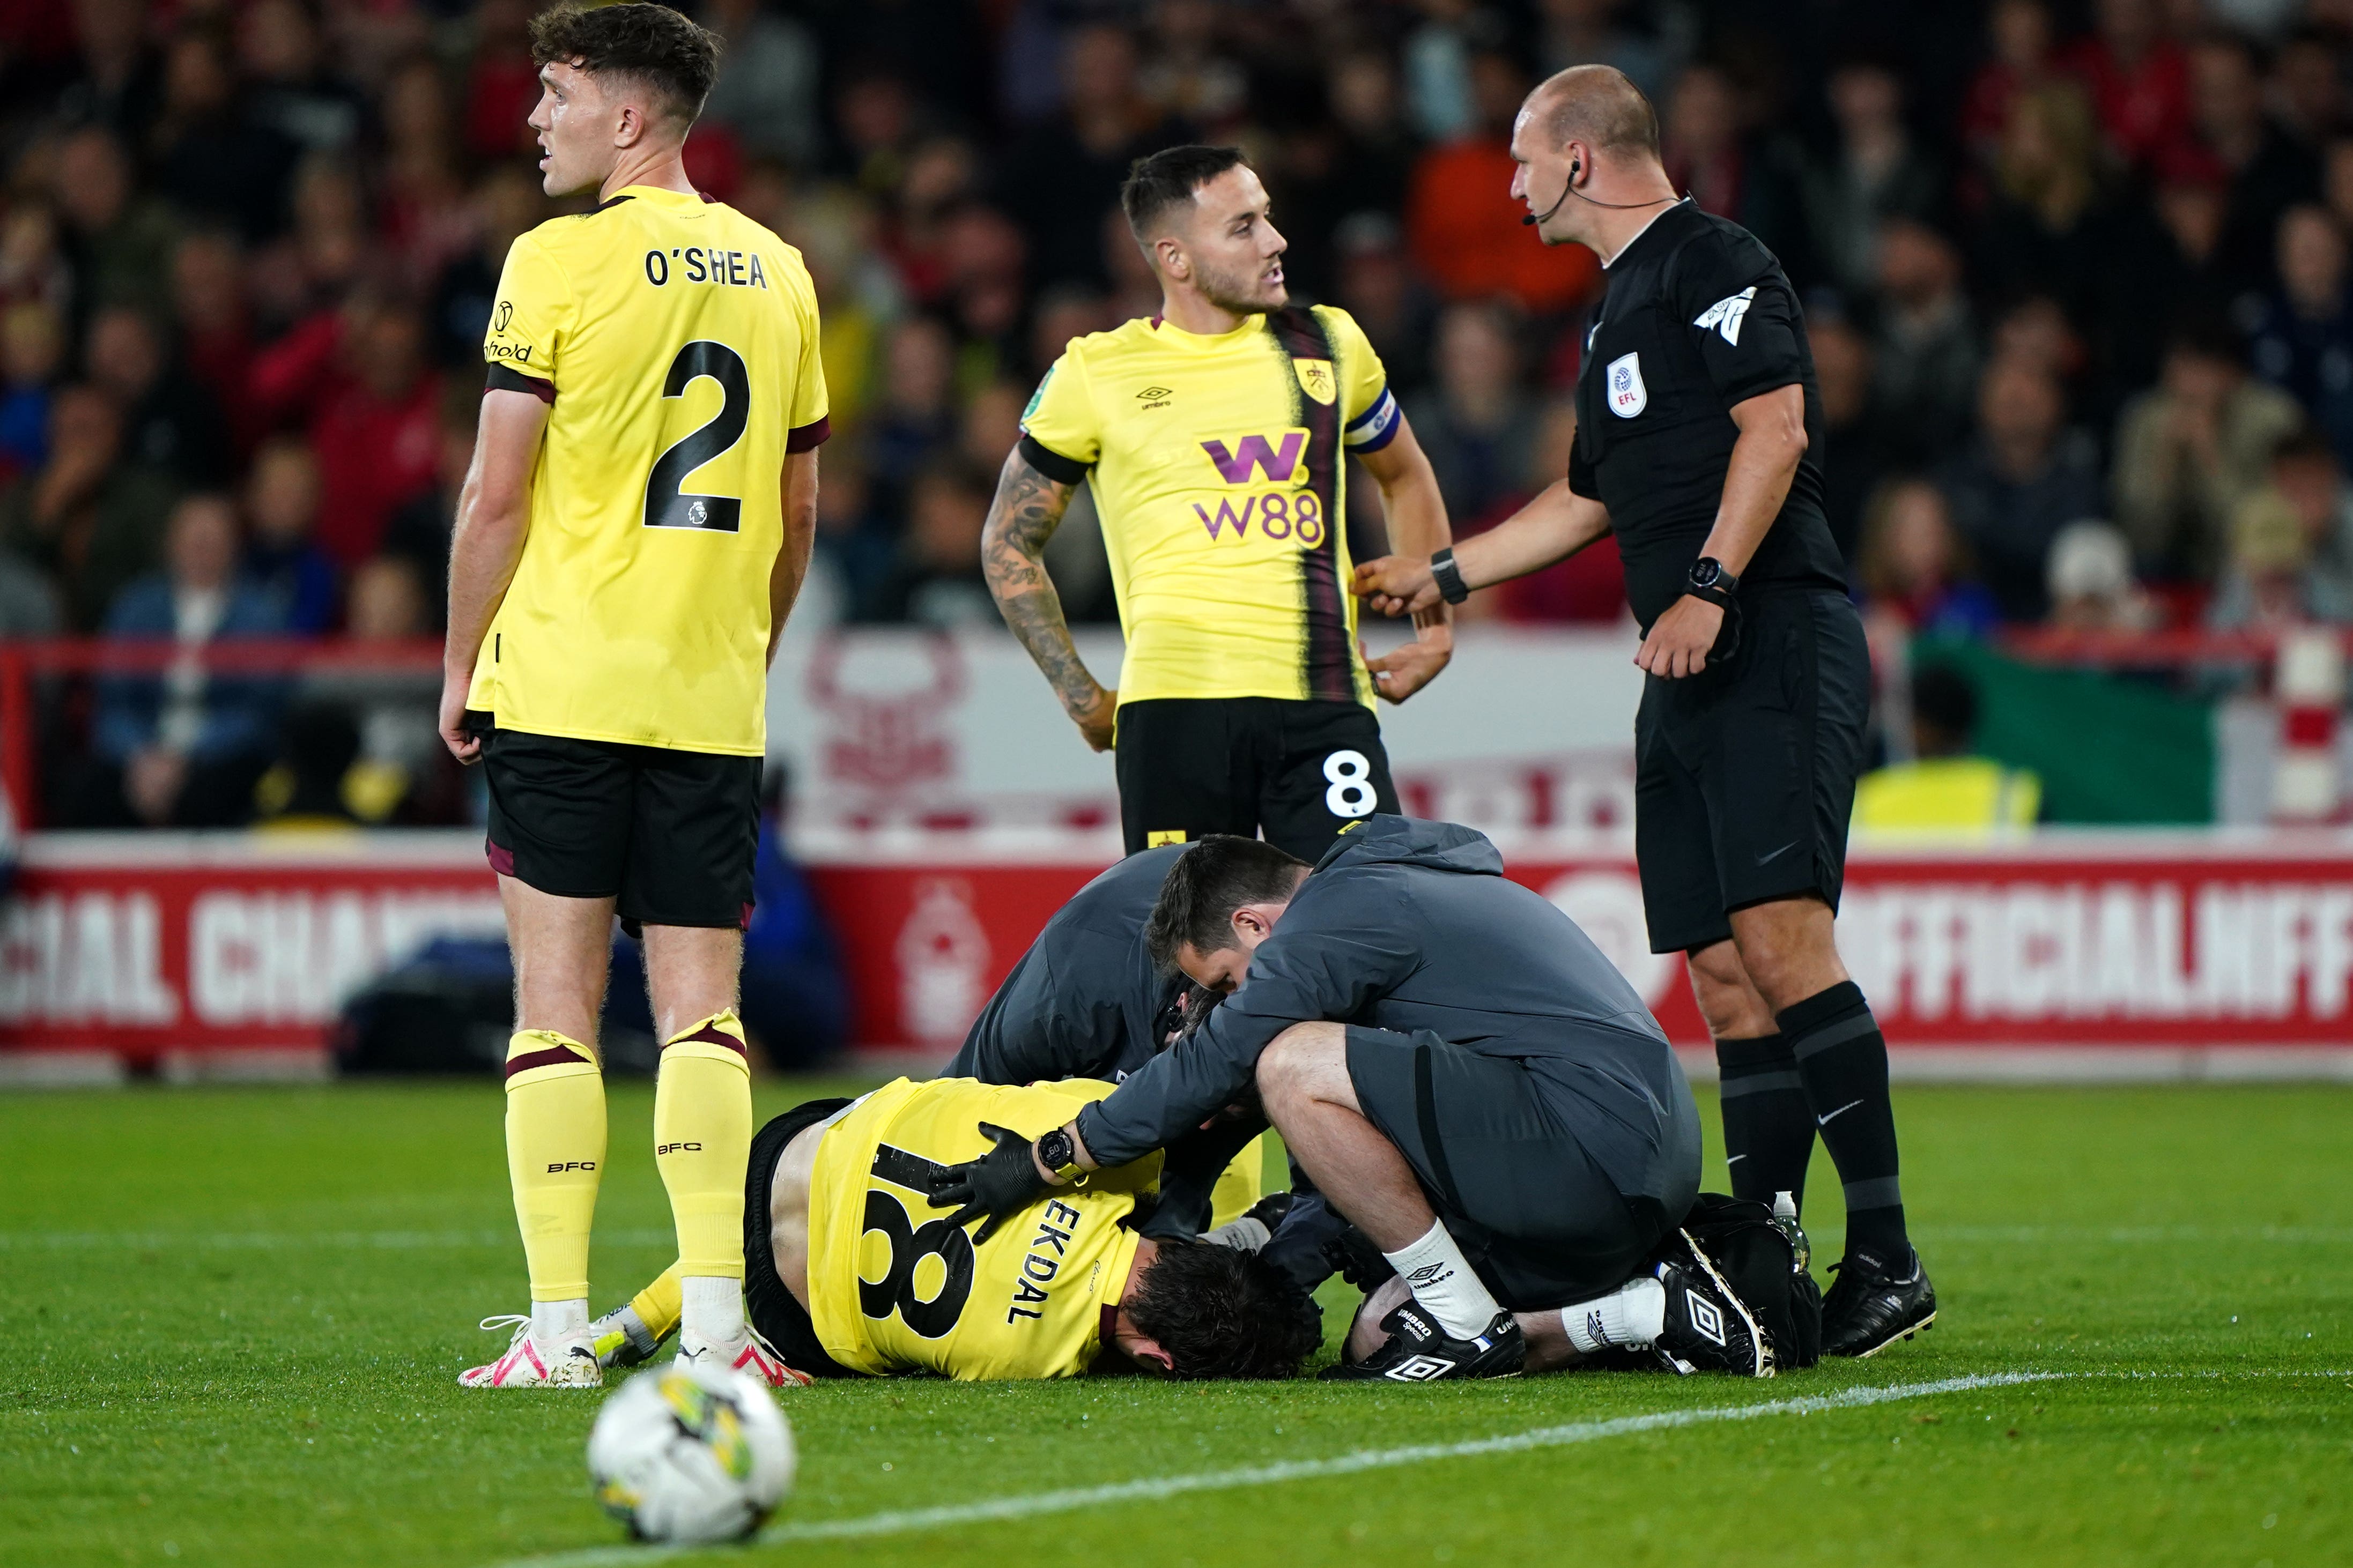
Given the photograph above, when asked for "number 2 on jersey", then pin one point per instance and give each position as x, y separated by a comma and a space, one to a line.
666, 504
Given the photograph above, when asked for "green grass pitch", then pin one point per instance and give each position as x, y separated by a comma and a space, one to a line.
233, 1317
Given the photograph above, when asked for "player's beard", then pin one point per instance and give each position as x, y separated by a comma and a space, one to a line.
1243, 293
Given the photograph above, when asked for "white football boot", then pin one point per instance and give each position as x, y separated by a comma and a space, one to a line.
570, 1362
752, 1354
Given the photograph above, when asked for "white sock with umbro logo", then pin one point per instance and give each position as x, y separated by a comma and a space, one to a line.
1440, 1278
1629, 1318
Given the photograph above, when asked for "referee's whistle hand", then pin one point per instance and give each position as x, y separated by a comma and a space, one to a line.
1395, 584
464, 745
1680, 639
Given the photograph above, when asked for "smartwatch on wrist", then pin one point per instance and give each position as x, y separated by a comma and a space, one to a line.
1058, 1152
1710, 580
1449, 577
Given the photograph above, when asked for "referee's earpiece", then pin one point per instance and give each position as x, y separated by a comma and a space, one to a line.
1574, 167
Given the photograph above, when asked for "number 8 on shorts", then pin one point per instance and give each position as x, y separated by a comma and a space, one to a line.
1351, 776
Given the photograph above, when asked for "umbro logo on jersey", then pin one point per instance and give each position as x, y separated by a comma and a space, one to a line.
1151, 395
1726, 315
1704, 1318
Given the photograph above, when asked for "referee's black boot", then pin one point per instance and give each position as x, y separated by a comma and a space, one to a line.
1872, 1305
1419, 1351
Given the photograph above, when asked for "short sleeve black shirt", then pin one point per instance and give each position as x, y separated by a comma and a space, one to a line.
1698, 316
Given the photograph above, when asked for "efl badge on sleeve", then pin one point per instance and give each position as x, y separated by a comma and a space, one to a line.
1315, 378
1628, 396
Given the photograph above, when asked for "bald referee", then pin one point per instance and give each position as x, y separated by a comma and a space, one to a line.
1697, 422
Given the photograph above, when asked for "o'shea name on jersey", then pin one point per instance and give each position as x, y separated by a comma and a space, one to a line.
675, 342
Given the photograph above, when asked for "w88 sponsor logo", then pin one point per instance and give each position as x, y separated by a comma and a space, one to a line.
1285, 513
1294, 515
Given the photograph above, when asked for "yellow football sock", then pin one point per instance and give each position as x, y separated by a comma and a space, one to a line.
658, 1305
702, 1141
556, 1150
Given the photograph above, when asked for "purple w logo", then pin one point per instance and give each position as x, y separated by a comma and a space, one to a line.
1256, 452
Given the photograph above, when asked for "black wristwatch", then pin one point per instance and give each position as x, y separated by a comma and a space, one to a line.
1449, 577
1710, 580
1058, 1152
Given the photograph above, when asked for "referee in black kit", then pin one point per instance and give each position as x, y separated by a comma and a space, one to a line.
1697, 415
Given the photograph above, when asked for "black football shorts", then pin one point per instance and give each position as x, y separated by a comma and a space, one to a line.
1296, 772
668, 835
1743, 774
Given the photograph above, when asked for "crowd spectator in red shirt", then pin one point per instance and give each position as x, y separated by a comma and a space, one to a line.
2139, 78
362, 374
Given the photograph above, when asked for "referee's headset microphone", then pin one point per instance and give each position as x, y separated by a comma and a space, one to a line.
1569, 189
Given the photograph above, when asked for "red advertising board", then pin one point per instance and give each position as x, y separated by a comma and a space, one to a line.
2066, 947
2228, 953
152, 946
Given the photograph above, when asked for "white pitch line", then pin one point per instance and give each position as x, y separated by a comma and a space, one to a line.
899, 1521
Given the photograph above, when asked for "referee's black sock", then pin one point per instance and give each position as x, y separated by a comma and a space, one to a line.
1843, 1060
1768, 1129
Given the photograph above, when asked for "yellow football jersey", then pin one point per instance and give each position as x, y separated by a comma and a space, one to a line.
893, 1287
1216, 471
677, 342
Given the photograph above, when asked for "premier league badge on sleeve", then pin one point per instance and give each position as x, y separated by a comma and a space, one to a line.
1628, 396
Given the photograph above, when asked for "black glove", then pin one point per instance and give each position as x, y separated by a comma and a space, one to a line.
1000, 1183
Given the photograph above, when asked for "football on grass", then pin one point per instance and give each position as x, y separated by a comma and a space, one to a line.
691, 1455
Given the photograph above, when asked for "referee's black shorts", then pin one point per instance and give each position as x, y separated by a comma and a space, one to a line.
1295, 773
668, 835
1743, 774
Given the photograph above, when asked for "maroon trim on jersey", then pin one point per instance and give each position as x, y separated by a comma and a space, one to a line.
1327, 657
504, 378
808, 438
553, 1056
501, 858
1107, 1329
710, 1034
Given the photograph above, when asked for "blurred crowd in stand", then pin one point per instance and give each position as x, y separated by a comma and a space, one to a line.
2076, 273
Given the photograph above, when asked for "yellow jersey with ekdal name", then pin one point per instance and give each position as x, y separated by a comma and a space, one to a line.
1215, 463
894, 1288
676, 342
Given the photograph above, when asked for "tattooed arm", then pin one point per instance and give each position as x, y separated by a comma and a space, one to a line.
1028, 509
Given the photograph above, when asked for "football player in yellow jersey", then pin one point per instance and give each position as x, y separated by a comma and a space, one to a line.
628, 544
851, 1272
1211, 437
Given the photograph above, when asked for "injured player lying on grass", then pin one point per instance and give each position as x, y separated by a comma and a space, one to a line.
847, 1272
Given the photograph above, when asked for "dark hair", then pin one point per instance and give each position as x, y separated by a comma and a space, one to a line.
2305, 445
652, 44
1942, 696
2203, 332
1220, 1312
1207, 883
1168, 179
